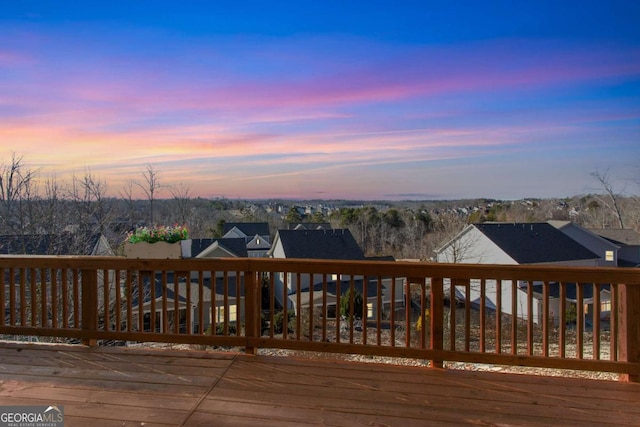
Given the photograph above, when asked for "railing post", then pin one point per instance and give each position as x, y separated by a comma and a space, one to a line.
252, 310
437, 313
89, 307
629, 327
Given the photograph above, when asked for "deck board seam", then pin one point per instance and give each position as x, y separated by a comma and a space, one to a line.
209, 390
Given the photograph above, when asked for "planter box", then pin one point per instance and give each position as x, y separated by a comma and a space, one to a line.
157, 250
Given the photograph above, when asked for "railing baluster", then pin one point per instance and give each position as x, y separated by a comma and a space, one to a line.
34, 296
423, 311
201, 302
392, 312
436, 310
579, 321
498, 316
483, 313
596, 321
76, 298
299, 303
325, 310
44, 312
453, 302
141, 295
23, 297
2, 296
106, 296
530, 317
238, 305
364, 307
407, 312
188, 319
338, 292
613, 322
514, 316
12, 297
272, 296
545, 319
467, 315
379, 305
213, 311
129, 297
563, 320
225, 278
285, 306
351, 313
311, 307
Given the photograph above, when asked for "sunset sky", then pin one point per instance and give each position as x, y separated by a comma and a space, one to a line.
331, 99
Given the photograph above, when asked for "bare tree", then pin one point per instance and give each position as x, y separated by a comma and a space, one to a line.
150, 187
611, 199
16, 188
92, 209
181, 201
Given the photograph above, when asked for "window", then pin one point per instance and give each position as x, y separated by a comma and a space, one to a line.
233, 313
608, 255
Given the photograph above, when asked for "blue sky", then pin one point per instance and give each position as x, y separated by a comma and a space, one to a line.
370, 100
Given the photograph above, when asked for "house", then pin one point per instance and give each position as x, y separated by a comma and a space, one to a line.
628, 242
256, 234
514, 243
229, 247
211, 302
316, 244
337, 244
606, 250
328, 290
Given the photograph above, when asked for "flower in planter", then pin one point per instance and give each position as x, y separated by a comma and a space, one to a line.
159, 233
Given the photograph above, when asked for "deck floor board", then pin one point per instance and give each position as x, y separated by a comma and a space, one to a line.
131, 386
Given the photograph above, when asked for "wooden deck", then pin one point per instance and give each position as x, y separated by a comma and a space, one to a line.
126, 387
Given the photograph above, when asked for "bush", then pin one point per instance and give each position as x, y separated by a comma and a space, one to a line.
278, 322
231, 328
345, 304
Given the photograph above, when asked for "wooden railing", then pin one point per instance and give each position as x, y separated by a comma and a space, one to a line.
539, 316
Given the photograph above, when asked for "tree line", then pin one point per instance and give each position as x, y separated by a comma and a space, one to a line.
30, 206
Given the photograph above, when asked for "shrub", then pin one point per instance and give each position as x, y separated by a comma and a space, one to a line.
278, 322
345, 304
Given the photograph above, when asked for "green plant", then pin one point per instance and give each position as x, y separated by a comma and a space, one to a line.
278, 322
345, 304
158, 233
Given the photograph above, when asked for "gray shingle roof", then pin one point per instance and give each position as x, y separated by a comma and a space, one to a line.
531, 243
619, 236
48, 244
320, 244
250, 229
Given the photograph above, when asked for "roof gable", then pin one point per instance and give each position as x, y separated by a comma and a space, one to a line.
246, 228
532, 243
258, 242
235, 247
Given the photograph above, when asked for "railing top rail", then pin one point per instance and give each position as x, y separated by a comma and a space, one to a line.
541, 272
